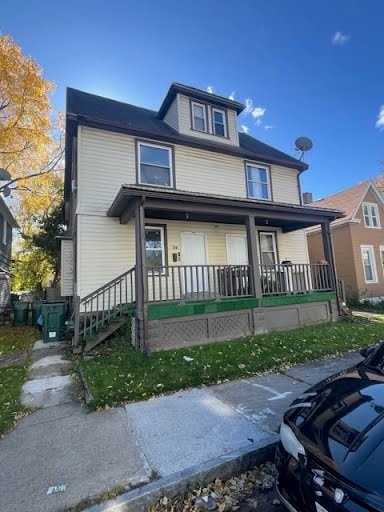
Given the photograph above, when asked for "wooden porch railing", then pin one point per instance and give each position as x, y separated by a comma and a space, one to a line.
295, 278
101, 307
195, 282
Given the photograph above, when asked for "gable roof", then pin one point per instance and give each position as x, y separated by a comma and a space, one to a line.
348, 200
83, 107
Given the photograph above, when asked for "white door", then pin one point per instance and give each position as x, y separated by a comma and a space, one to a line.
237, 251
194, 254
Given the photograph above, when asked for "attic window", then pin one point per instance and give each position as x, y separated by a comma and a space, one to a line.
219, 127
371, 215
199, 117
155, 165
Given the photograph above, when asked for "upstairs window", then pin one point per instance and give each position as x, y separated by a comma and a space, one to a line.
199, 117
371, 215
258, 185
155, 165
219, 125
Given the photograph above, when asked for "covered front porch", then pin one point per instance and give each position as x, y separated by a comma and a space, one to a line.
181, 283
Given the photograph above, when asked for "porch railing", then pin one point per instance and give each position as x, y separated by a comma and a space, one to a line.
101, 307
295, 278
195, 282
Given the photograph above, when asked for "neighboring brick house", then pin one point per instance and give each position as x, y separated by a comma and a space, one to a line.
194, 228
358, 240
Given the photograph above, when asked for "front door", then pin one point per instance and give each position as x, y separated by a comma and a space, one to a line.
237, 252
193, 255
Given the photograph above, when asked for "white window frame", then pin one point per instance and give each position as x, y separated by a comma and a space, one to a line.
170, 161
193, 104
371, 252
381, 249
370, 216
257, 166
274, 239
224, 122
5, 228
163, 249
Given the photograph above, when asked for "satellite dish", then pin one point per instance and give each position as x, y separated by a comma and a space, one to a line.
4, 175
6, 191
303, 144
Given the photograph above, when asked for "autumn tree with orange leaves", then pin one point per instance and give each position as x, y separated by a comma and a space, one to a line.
31, 151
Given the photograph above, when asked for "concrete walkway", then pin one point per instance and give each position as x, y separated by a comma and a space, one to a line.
93, 452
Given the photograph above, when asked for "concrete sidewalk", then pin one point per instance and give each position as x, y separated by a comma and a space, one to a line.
93, 452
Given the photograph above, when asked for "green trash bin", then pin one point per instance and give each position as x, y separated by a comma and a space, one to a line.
36, 311
20, 313
54, 316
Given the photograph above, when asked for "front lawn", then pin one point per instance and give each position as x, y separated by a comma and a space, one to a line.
118, 373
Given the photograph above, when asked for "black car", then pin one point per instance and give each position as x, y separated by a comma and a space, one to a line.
331, 453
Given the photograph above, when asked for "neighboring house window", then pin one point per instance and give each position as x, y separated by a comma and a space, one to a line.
155, 165
268, 251
258, 185
199, 117
219, 125
155, 249
369, 265
5, 232
371, 215
382, 257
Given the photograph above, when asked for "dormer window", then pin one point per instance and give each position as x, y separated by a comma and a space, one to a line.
218, 122
371, 215
199, 117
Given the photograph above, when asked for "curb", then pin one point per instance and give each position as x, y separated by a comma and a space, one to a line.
88, 397
223, 467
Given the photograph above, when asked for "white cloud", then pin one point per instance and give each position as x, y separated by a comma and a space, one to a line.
248, 106
268, 127
232, 95
210, 89
380, 119
340, 38
258, 112
258, 121
244, 128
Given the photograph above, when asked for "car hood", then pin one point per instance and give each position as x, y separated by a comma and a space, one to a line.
341, 421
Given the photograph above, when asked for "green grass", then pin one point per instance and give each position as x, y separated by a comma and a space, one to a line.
11, 380
118, 373
17, 339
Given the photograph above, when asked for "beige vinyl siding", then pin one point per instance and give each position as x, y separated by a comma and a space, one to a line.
172, 115
185, 123
66, 268
285, 185
106, 161
293, 247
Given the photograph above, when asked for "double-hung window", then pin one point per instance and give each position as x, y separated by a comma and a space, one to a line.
258, 184
155, 249
382, 257
268, 251
199, 117
218, 122
369, 265
371, 215
155, 165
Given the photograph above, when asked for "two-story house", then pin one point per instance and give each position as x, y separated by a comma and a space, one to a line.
7, 222
193, 227
358, 240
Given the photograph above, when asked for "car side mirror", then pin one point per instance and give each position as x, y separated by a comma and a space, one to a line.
367, 351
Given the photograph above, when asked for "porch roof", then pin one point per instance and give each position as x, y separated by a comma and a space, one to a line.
201, 207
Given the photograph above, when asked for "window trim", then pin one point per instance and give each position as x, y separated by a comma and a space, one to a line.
204, 107
5, 231
163, 237
170, 150
223, 112
274, 238
371, 251
377, 214
381, 250
269, 181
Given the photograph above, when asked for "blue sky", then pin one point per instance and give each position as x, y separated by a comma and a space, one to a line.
310, 68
